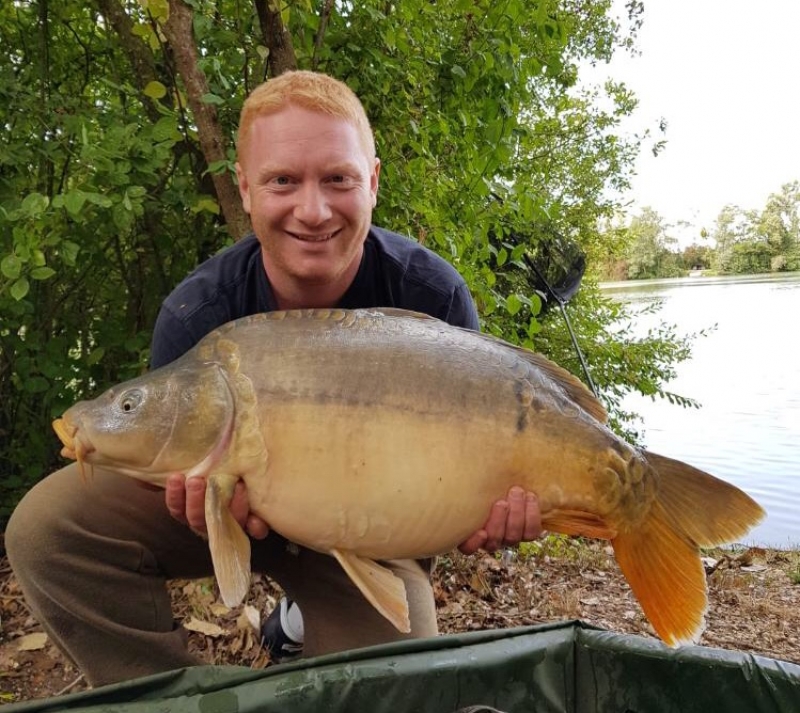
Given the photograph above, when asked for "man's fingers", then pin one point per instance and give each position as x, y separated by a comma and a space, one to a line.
515, 522
196, 504
256, 527
240, 505
474, 543
175, 497
496, 526
533, 519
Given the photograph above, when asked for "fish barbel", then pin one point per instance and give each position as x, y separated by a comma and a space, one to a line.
385, 434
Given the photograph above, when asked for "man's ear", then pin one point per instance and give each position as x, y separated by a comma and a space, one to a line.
244, 188
374, 181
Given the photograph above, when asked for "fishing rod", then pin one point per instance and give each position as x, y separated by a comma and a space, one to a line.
562, 305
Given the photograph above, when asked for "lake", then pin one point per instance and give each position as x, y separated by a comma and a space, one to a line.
746, 375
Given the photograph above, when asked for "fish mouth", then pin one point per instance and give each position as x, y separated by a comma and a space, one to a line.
74, 447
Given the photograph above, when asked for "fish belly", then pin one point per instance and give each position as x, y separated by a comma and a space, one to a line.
392, 485
383, 485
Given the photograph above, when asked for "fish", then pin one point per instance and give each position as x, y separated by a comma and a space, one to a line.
380, 434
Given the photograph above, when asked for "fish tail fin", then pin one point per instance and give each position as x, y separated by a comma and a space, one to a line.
660, 558
666, 575
229, 545
706, 509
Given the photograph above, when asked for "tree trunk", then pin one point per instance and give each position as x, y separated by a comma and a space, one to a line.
137, 52
178, 31
281, 57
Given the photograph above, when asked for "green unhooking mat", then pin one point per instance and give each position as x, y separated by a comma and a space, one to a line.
561, 668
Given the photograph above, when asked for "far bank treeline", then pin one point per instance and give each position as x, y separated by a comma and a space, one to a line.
740, 242
117, 146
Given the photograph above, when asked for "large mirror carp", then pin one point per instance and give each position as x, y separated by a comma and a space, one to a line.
382, 434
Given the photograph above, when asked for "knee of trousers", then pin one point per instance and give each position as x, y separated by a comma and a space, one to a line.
37, 528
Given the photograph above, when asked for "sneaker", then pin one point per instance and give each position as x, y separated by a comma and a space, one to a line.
282, 632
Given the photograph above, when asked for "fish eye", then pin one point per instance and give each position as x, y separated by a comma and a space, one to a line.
130, 400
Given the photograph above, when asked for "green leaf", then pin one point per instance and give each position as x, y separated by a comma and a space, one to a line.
35, 204
35, 384
206, 204
159, 9
74, 201
69, 252
155, 90
42, 273
513, 304
20, 288
95, 356
11, 267
212, 99
99, 200
216, 167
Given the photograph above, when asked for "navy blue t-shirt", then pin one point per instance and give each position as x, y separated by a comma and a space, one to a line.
395, 271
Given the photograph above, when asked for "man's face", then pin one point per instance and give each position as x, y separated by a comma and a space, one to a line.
309, 188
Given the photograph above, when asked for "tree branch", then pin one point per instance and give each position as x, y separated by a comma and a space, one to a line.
281, 57
324, 17
178, 31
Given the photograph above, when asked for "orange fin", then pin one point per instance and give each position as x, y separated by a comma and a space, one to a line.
706, 509
664, 571
577, 523
382, 587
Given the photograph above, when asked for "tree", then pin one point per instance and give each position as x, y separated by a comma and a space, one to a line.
696, 257
650, 247
118, 147
779, 226
731, 227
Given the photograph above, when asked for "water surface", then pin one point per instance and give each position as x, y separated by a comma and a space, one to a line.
746, 375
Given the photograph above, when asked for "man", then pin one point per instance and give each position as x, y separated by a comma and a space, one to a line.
92, 559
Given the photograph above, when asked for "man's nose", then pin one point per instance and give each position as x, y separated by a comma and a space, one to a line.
312, 205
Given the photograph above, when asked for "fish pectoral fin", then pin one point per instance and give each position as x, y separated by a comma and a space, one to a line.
229, 545
578, 523
382, 587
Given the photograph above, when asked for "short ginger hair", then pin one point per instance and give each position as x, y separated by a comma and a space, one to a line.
313, 91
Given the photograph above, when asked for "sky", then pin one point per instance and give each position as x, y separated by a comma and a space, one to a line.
725, 75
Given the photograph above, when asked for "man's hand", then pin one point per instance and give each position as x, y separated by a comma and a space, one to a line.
511, 521
185, 498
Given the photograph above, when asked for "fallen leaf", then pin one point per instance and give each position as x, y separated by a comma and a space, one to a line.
204, 627
32, 642
252, 616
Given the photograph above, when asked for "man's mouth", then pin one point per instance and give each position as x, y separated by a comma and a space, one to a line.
319, 238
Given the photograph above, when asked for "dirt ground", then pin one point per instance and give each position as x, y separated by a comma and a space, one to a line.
754, 606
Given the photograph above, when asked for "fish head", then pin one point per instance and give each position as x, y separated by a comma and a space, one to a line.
178, 418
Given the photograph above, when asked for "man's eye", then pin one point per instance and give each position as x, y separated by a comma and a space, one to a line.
281, 180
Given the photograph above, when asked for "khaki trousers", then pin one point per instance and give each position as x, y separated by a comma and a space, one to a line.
93, 558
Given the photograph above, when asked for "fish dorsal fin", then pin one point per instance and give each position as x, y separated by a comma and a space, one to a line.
398, 312
572, 386
382, 587
229, 545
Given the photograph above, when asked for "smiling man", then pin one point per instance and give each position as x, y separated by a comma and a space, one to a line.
93, 567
